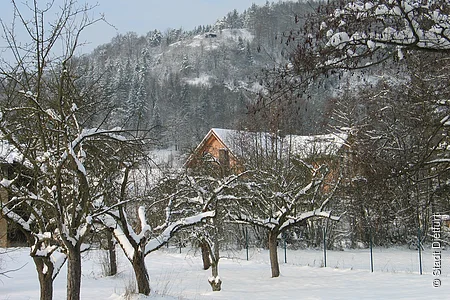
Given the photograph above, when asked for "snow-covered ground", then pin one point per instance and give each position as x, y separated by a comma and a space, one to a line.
180, 276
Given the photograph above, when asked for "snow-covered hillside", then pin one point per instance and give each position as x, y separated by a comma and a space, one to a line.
193, 81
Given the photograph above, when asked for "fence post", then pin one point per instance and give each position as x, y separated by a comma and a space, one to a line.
325, 247
371, 248
420, 250
285, 246
246, 241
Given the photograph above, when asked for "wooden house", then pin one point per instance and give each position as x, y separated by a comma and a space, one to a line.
230, 148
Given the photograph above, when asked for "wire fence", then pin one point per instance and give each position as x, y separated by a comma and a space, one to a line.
427, 261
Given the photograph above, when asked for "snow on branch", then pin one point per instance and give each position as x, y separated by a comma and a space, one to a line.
438, 161
155, 243
58, 259
145, 227
268, 223
206, 195
113, 134
359, 34
405, 23
109, 220
25, 225
307, 215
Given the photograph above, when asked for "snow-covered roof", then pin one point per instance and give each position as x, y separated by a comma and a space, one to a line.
326, 144
238, 142
227, 136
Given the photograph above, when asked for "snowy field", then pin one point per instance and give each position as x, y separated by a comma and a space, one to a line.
180, 276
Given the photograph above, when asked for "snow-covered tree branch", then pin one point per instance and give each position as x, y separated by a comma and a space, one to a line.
355, 34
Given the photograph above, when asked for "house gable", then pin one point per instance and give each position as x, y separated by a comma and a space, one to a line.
214, 146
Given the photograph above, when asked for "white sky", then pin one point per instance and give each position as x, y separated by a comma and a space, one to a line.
141, 16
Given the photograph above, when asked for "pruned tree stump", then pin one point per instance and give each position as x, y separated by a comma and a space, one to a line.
216, 283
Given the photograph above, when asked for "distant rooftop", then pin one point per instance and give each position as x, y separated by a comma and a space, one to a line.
237, 141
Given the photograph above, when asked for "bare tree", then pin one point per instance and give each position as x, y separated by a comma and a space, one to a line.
56, 154
213, 193
173, 196
285, 189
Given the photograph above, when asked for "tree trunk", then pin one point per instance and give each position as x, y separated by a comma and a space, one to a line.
205, 254
74, 274
141, 273
214, 280
273, 253
45, 278
111, 254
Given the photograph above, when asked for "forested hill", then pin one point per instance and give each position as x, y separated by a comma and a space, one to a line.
189, 81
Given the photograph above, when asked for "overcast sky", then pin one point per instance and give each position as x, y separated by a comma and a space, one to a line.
142, 16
